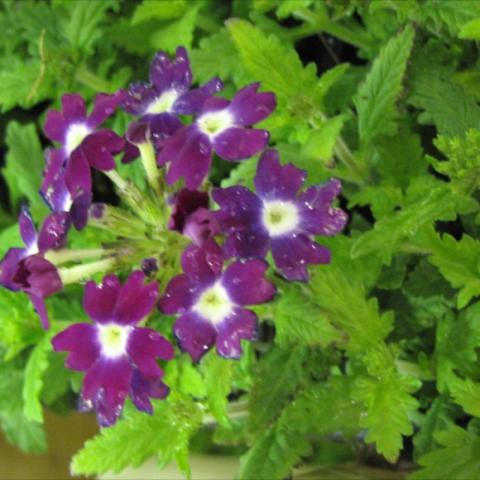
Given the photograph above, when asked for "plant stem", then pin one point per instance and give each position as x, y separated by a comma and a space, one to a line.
58, 257
86, 77
82, 272
117, 179
149, 162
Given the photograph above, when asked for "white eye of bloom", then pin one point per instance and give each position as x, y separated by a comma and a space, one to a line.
214, 304
113, 339
214, 123
75, 135
280, 217
163, 103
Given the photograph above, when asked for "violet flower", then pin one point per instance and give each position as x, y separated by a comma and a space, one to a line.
191, 216
26, 269
211, 301
83, 145
118, 356
279, 217
222, 127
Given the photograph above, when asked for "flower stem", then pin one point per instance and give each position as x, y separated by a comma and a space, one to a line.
58, 257
116, 179
149, 162
82, 272
84, 76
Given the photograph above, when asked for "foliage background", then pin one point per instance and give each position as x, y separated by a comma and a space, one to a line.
375, 360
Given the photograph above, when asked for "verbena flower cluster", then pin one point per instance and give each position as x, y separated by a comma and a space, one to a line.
224, 267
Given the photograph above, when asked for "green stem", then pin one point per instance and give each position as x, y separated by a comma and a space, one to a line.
149, 162
82, 272
58, 257
117, 179
84, 76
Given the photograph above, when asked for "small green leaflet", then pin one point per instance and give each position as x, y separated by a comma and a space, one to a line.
467, 394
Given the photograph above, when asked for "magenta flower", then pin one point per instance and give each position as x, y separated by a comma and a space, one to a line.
26, 269
222, 127
211, 301
83, 145
191, 216
279, 217
118, 356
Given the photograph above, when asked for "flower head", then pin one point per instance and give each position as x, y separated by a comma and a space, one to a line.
83, 145
211, 301
118, 356
222, 127
280, 217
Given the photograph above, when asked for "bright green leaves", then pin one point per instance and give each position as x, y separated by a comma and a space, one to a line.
151, 9
458, 457
467, 394
376, 97
138, 436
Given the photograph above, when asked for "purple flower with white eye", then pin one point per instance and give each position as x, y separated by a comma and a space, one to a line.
168, 91
211, 301
56, 194
191, 216
280, 217
118, 356
83, 144
26, 269
222, 127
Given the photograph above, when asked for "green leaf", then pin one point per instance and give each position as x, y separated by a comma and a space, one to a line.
242, 175
217, 373
149, 9
389, 404
139, 437
467, 394
376, 97
24, 166
321, 142
458, 458
458, 262
277, 377
470, 30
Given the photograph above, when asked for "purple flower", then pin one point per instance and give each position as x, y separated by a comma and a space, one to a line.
191, 216
211, 300
279, 217
223, 127
83, 146
56, 194
118, 356
26, 269
168, 91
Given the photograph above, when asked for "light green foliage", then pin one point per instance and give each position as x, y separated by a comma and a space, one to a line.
139, 437
149, 9
458, 457
470, 30
376, 97
467, 394
24, 167
457, 261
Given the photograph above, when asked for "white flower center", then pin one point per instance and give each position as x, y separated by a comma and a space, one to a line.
280, 217
163, 103
214, 304
214, 123
75, 135
113, 339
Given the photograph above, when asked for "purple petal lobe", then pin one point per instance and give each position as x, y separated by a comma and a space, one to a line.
192, 102
195, 335
239, 143
203, 264
162, 127
41, 309
246, 283
105, 105
176, 75
185, 202
274, 181
98, 148
27, 228
54, 188
8, 267
55, 126
138, 96
142, 389
79, 210
99, 300
53, 233
190, 154
80, 340
240, 324
249, 107
78, 176
294, 252
201, 226
73, 107
179, 295
135, 300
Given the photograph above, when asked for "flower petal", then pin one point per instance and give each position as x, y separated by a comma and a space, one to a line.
144, 347
105, 105
80, 340
135, 300
54, 231
55, 126
54, 188
79, 210
142, 389
77, 175
192, 102
203, 264
99, 300
190, 154
292, 253
249, 107
246, 284
98, 148
179, 295
161, 127
41, 309
9, 265
73, 107
28, 232
166, 74
138, 96
276, 182
194, 334
241, 324
238, 143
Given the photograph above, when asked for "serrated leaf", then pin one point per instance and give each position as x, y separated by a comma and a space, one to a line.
149, 9
470, 30
376, 97
466, 393
321, 142
140, 436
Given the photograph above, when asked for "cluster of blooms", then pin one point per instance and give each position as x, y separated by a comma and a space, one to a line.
224, 266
